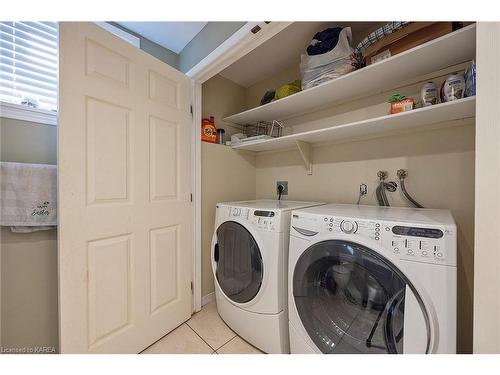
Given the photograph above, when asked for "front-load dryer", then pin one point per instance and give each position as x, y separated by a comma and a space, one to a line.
250, 263
365, 279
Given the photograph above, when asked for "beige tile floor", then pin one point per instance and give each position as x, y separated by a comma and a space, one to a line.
204, 333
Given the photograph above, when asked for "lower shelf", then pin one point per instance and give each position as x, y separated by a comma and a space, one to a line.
418, 119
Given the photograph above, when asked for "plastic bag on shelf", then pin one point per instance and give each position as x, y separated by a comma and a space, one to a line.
317, 69
470, 80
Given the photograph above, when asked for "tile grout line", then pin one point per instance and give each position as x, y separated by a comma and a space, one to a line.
215, 350
202, 339
235, 335
231, 339
161, 338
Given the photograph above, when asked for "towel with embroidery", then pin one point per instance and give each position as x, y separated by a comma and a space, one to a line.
28, 196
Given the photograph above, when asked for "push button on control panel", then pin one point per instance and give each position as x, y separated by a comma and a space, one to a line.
330, 224
438, 254
428, 250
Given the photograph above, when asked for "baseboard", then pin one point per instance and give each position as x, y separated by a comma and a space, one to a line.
205, 300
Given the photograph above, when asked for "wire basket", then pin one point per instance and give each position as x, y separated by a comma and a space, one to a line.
270, 128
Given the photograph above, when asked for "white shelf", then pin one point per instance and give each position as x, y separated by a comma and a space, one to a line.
417, 119
448, 50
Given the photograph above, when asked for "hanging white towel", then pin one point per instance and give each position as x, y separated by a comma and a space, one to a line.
28, 200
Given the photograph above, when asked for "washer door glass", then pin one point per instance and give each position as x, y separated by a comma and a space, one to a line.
352, 300
238, 260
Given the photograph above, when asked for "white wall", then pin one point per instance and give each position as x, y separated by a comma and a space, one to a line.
220, 98
254, 93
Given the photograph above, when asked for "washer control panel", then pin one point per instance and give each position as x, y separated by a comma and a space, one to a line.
268, 220
365, 228
265, 220
415, 242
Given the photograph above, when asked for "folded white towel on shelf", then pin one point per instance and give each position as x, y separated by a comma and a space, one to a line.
28, 199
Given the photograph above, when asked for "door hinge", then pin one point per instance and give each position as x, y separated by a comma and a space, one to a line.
191, 197
191, 110
192, 289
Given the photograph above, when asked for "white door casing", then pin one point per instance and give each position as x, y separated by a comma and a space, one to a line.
125, 174
486, 329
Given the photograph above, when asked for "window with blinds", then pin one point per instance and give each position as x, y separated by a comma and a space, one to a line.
29, 64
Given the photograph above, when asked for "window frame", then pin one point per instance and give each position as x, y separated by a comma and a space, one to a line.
25, 113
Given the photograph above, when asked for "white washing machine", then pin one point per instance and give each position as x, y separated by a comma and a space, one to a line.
250, 263
365, 279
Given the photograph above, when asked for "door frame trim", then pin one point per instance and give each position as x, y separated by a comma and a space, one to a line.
231, 50
196, 197
486, 328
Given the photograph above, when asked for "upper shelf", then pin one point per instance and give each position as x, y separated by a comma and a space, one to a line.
417, 119
451, 49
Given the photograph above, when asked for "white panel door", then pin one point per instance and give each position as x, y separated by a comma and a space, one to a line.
125, 216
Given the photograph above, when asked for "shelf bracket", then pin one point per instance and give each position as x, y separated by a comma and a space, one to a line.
305, 150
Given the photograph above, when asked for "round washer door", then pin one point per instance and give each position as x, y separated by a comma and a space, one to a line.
238, 262
350, 299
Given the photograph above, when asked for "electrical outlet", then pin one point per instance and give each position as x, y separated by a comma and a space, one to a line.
285, 185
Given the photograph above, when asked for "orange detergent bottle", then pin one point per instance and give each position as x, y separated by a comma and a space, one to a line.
208, 130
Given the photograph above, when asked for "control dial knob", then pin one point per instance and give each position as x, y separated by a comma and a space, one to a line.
347, 226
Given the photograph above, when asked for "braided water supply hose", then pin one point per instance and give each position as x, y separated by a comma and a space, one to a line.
402, 174
380, 192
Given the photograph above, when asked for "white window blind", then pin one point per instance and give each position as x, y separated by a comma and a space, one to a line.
29, 63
